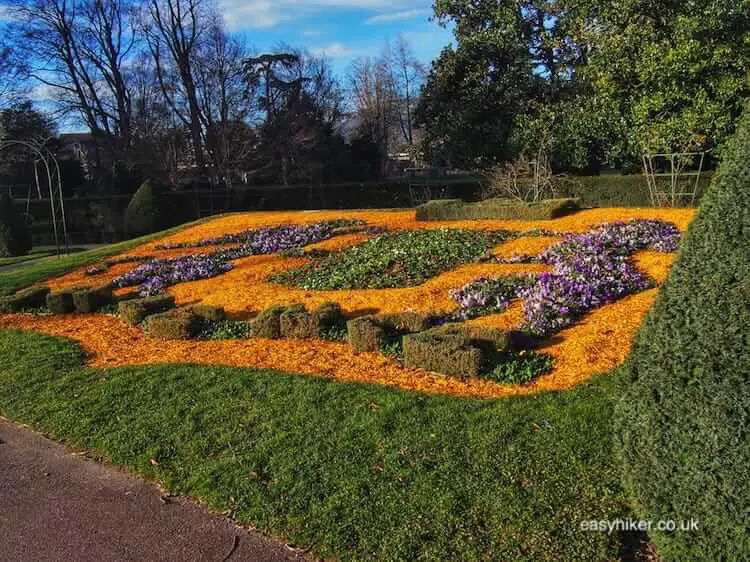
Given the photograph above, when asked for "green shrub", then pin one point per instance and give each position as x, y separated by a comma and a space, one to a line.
93, 299
683, 419
402, 259
366, 334
455, 209
135, 311
15, 239
455, 349
297, 323
374, 333
448, 354
61, 303
268, 323
142, 215
26, 299
209, 312
178, 324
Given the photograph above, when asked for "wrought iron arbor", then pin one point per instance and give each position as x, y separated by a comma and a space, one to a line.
51, 170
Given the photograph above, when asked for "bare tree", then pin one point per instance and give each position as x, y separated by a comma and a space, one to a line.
226, 102
372, 96
174, 30
406, 75
10, 85
78, 49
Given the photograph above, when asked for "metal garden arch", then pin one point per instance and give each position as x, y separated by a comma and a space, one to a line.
54, 183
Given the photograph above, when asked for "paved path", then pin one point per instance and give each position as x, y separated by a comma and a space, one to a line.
61, 507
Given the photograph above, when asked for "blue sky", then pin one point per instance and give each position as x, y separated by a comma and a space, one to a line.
342, 29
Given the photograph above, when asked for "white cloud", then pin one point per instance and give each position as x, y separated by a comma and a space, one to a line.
334, 51
257, 14
245, 14
397, 16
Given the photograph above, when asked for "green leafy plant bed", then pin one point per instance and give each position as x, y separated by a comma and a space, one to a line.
403, 259
455, 209
350, 471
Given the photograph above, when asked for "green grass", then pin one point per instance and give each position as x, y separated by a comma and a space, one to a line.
403, 259
33, 255
355, 471
21, 277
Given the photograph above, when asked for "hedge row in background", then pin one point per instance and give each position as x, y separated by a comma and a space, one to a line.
496, 208
684, 417
101, 219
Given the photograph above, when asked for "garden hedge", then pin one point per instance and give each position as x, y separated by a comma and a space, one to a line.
372, 332
135, 311
683, 419
456, 209
454, 350
86, 301
178, 324
297, 323
61, 302
33, 297
268, 323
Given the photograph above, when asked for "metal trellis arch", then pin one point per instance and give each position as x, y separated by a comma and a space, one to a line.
54, 183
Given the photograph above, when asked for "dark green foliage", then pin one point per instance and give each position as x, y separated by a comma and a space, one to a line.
455, 209
91, 300
366, 333
208, 312
455, 349
403, 259
178, 324
407, 322
351, 471
134, 311
61, 303
448, 354
268, 323
297, 323
225, 330
621, 191
683, 420
15, 239
519, 367
26, 299
373, 333
142, 215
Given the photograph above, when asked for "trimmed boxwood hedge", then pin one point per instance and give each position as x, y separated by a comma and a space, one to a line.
455, 209
683, 419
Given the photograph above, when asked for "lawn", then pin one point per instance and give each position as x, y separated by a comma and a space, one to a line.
356, 471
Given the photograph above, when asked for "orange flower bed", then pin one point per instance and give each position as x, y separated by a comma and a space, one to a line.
598, 342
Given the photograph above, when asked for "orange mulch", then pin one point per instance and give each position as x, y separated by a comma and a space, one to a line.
525, 245
599, 342
596, 345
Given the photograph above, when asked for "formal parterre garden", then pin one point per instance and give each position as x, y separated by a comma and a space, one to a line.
473, 308
359, 383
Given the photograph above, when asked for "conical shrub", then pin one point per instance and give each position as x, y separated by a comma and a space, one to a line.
142, 215
684, 419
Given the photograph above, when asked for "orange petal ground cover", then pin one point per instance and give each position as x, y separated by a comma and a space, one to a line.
599, 342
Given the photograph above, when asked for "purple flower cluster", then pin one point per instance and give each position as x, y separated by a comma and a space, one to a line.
588, 271
155, 276
269, 240
488, 296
